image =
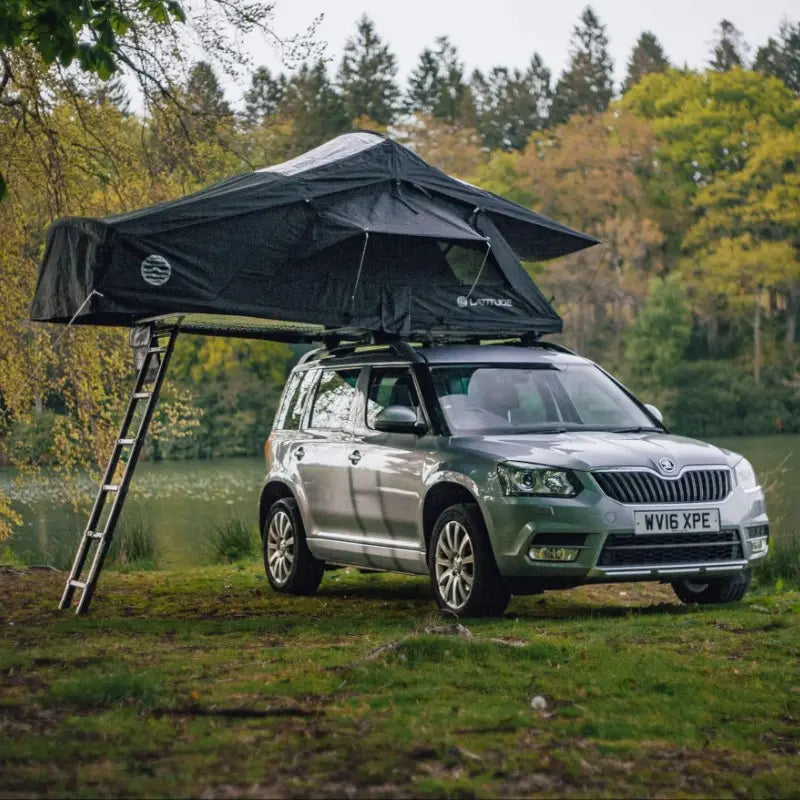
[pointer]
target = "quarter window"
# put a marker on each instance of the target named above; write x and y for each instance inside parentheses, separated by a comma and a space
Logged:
(389, 387)
(336, 392)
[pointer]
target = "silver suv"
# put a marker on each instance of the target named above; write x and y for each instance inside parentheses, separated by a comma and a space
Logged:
(497, 470)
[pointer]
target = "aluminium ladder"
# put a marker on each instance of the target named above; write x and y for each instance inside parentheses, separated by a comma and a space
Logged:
(113, 489)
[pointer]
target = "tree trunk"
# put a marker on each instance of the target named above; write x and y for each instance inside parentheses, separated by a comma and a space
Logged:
(757, 341)
(791, 316)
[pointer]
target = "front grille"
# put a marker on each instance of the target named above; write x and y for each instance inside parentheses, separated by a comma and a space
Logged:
(641, 487)
(646, 550)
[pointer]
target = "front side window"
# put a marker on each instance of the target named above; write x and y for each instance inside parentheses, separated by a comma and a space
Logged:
(336, 392)
(389, 387)
(531, 399)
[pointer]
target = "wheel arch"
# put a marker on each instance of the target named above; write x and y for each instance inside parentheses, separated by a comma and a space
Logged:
(272, 491)
(444, 493)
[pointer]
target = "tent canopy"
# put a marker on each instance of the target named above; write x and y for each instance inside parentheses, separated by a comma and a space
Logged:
(357, 234)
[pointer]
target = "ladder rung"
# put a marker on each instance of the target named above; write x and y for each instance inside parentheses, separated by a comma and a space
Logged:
(157, 350)
(94, 534)
(141, 395)
(77, 584)
(110, 487)
(126, 441)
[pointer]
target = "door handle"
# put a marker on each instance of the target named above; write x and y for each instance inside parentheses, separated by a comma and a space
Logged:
(354, 457)
(299, 453)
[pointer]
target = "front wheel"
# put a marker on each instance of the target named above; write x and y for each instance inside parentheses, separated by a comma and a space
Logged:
(290, 567)
(464, 575)
(717, 590)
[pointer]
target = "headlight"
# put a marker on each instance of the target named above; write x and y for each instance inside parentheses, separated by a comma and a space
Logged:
(520, 479)
(745, 475)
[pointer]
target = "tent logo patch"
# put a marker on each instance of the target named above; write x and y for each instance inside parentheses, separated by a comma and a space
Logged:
(156, 270)
(473, 302)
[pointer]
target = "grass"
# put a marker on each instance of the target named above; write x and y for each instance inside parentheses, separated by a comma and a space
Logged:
(232, 540)
(135, 545)
(782, 564)
(179, 683)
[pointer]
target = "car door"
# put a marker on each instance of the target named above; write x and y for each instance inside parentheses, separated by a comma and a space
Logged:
(386, 477)
(321, 456)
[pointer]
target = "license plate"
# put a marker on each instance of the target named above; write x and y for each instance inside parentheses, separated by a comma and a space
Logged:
(694, 521)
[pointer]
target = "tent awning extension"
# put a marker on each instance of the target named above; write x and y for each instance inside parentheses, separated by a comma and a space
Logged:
(357, 234)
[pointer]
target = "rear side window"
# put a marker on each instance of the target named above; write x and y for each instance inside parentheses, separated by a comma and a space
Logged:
(336, 392)
(290, 414)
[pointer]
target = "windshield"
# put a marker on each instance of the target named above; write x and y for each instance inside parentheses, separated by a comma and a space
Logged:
(534, 399)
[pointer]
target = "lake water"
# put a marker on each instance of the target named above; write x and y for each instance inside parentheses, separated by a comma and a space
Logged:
(183, 499)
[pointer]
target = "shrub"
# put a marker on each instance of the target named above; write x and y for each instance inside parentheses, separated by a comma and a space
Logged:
(232, 540)
(135, 544)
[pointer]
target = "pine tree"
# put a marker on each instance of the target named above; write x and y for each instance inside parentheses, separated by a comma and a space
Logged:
(264, 96)
(781, 58)
(586, 85)
(205, 102)
(647, 56)
(366, 76)
(511, 104)
(437, 87)
(730, 49)
(314, 107)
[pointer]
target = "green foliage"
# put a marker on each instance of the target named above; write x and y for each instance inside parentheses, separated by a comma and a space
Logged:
(232, 540)
(657, 339)
(367, 76)
(135, 544)
(586, 85)
(780, 57)
(782, 565)
(647, 57)
(729, 48)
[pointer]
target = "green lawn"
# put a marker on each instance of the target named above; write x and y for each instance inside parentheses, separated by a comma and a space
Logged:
(204, 682)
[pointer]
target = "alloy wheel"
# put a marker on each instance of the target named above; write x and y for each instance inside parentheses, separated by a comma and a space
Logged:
(455, 565)
(280, 547)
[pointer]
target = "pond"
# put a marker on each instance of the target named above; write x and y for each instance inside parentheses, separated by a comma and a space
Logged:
(182, 500)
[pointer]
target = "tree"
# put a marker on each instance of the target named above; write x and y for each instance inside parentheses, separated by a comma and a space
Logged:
(781, 57)
(647, 56)
(263, 98)
(510, 104)
(656, 341)
(367, 76)
(586, 86)
(317, 112)
(436, 86)
(729, 47)
(148, 40)
(205, 102)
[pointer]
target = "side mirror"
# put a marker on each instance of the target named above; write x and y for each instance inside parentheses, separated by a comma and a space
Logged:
(655, 412)
(399, 419)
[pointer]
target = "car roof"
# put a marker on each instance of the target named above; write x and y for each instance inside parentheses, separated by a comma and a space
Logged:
(449, 355)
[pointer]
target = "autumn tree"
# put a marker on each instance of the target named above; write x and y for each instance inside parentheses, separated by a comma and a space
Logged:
(586, 85)
(780, 57)
(729, 48)
(647, 56)
(367, 76)
(510, 103)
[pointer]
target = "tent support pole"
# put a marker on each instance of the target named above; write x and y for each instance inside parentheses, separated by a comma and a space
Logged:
(99, 531)
(360, 267)
(480, 271)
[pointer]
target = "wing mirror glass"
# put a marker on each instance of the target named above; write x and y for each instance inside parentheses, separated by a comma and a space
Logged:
(399, 419)
(655, 412)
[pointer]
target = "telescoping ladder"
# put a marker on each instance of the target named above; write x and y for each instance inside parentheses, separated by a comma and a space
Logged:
(99, 530)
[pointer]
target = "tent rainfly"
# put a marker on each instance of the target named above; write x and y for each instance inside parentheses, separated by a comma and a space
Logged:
(359, 234)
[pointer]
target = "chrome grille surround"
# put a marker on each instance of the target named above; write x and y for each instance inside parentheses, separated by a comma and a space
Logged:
(646, 487)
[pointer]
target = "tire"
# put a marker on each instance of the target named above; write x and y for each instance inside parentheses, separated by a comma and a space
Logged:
(290, 567)
(717, 590)
(459, 542)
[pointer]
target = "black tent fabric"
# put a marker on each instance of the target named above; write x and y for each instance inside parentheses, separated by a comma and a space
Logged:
(357, 234)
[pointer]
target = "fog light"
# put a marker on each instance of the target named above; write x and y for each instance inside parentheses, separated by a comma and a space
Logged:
(758, 546)
(553, 553)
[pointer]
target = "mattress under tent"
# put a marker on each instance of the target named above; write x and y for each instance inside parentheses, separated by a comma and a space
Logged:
(358, 240)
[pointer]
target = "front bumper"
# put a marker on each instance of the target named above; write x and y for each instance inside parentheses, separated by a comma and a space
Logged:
(610, 550)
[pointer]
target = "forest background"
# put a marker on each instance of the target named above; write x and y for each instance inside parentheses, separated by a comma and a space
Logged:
(689, 177)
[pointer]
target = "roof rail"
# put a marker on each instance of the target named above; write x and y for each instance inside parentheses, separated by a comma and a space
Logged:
(333, 350)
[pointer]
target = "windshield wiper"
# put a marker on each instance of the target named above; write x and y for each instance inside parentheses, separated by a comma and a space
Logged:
(635, 429)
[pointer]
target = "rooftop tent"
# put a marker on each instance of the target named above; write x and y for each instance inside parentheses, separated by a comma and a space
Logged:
(359, 233)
